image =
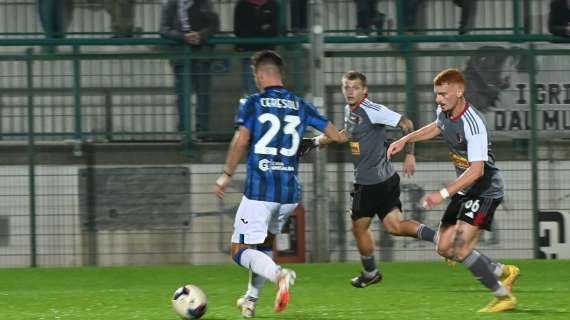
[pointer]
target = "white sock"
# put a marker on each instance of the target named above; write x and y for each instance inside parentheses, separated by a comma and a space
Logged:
(259, 263)
(256, 282)
(501, 292)
(498, 269)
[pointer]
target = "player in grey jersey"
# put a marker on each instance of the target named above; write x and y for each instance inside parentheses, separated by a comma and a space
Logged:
(376, 183)
(476, 192)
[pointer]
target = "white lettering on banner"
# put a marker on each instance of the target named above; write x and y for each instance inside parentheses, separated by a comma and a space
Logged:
(498, 85)
(266, 165)
(278, 103)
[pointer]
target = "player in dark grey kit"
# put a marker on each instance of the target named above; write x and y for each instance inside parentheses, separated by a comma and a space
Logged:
(376, 183)
(476, 192)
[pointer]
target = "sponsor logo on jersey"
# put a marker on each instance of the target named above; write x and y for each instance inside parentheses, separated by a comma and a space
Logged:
(459, 161)
(278, 103)
(266, 165)
(355, 147)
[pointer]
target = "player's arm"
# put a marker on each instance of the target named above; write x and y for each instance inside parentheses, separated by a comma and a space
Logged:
(330, 135)
(238, 148)
(427, 132)
(468, 178)
(407, 127)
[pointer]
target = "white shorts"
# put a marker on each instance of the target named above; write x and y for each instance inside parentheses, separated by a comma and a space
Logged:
(255, 218)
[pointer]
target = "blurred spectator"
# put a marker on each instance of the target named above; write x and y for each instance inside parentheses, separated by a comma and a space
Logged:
(122, 14)
(55, 16)
(299, 12)
(410, 10)
(190, 22)
(367, 16)
(559, 18)
(468, 10)
(254, 18)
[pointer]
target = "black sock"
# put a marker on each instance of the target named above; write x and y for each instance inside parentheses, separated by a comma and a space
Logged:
(368, 263)
(426, 233)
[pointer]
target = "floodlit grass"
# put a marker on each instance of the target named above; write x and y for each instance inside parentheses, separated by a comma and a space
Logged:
(410, 290)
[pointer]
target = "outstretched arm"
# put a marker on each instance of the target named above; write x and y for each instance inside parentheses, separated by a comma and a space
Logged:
(331, 134)
(425, 133)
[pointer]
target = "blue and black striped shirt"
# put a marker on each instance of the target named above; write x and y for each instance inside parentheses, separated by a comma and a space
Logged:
(276, 119)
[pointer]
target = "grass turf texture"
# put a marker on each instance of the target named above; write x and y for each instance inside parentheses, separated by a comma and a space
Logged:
(410, 290)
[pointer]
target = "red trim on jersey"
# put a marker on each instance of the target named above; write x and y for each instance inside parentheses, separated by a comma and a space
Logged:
(359, 103)
(452, 118)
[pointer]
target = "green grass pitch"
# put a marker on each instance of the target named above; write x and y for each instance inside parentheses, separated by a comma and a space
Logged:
(410, 290)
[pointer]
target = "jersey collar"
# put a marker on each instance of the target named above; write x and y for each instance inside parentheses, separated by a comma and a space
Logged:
(272, 87)
(452, 118)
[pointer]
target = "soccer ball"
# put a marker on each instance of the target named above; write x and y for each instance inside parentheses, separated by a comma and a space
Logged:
(189, 302)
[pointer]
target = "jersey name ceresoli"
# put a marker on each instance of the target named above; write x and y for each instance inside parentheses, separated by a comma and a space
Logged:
(365, 126)
(277, 120)
(467, 139)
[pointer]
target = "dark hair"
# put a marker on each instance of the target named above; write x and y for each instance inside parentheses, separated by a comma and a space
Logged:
(449, 76)
(267, 57)
(355, 75)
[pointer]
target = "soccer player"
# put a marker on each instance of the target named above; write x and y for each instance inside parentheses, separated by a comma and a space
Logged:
(476, 192)
(376, 183)
(270, 125)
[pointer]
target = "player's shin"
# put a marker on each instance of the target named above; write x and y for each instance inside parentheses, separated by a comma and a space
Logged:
(481, 269)
(256, 282)
(257, 262)
(426, 233)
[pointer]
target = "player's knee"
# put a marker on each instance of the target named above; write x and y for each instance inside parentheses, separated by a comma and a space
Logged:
(460, 254)
(393, 229)
(444, 251)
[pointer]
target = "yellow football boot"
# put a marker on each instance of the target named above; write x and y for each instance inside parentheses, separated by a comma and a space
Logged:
(509, 276)
(500, 304)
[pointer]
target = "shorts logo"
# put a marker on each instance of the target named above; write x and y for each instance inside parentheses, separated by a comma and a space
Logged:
(266, 165)
(244, 221)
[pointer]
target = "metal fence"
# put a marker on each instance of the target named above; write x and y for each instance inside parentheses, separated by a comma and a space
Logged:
(76, 194)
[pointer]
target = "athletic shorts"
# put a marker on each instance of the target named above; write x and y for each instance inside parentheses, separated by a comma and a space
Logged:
(377, 199)
(476, 211)
(254, 219)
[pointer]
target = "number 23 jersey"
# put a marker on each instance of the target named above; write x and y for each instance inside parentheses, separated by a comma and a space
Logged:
(277, 120)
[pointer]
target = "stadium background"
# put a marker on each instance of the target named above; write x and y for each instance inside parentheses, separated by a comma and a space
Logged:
(93, 172)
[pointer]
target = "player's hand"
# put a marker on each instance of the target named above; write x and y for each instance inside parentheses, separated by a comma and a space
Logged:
(409, 165)
(395, 148)
(431, 200)
(192, 38)
(221, 183)
(306, 145)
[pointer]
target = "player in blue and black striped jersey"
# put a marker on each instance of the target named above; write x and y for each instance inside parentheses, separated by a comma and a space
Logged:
(270, 125)
(476, 192)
